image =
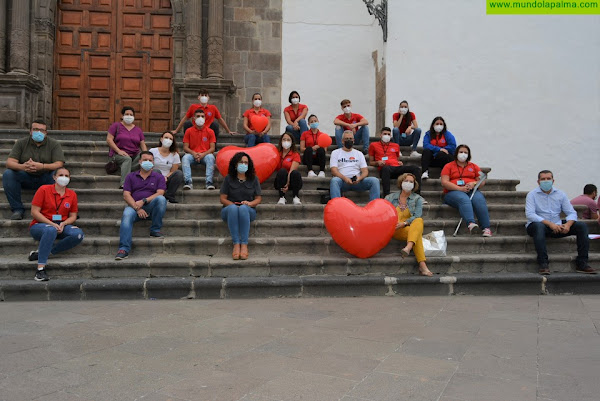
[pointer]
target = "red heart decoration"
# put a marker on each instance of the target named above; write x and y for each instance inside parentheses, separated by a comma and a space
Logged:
(259, 123)
(360, 231)
(265, 157)
(324, 141)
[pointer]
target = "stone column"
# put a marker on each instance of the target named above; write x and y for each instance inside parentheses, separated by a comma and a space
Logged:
(193, 51)
(2, 35)
(19, 37)
(215, 39)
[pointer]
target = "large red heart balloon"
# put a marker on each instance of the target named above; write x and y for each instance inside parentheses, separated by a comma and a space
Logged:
(324, 141)
(259, 123)
(265, 157)
(360, 231)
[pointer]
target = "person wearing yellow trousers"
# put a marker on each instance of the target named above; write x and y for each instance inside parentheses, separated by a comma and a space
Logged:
(409, 206)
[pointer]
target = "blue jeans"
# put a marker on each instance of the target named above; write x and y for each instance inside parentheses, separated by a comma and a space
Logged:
(238, 218)
(156, 210)
(253, 139)
(13, 181)
(539, 232)
(47, 234)
(360, 136)
(371, 184)
(407, 140)
(187, 161)
(466, 206)
(297, 133)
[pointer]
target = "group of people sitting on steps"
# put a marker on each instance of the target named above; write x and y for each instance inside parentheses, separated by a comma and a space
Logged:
(37, 162)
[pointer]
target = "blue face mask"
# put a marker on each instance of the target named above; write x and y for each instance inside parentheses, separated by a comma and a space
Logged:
(147, 165)
(546, 185)
(314, 125)
(38, 136)
(242, 168)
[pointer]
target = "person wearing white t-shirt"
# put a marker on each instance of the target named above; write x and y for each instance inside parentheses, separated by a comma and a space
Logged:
(349, 170)
(167, 161)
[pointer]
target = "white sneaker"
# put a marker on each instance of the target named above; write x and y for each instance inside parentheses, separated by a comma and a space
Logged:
(425, 175)
(311, 174)
(296, 201)
(188, 186)
(322, 174)
(210, 187)
(281, 201)
(414, 153)
(473, 228)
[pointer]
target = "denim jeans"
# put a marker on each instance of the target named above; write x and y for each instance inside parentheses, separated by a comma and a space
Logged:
(371, 184)
(13, 181)
(539, 232)
(253, 139)
(407, 140)
(187, 161)
(360, 136)
(297, 133)
(460, 200)
(47, 234)
(238, 218)
(156, 210)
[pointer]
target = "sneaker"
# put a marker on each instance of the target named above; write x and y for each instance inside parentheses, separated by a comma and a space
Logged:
(473, 228)
(156, 234)
(296, 201)
(311, 174)
(121, 255)
(33, 255)
(210, 187)
(41, 275)
(281, 201)
(18, 215)
(414, 153)
(487, 232)
(586, 270)
(321, 174)
(188, 187)
(425, 175)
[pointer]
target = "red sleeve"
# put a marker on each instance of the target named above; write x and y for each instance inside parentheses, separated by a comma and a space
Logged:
(190, 111)
(267, 113)
(39, 197)
(305, 135)
(302, 107)
(372, 150)
(397, 151)
(186, 136)
(358, 116)
(247, 114)
(477, 170)
(296, 157)
(413, 115)
(211, 136)
(396, 116)
(74, 204)
(447, 171)
(340, 117)
(288, 109)
(217, 112)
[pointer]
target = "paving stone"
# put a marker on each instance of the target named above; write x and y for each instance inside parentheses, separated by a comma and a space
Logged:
(419, 368)
(386, 387)
(440, 344)
(360, 348)
(338, 365)
(305, 386)
(569, 387)
(469, 388)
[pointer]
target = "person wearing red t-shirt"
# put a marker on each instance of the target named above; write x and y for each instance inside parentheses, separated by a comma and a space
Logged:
(254, 137)
(310, 148)
(459, 177)
(406, 131)
(54, 210)
(295, 116)
(212, 115)
(199, 145)
(353, 122)
(385, 155)
(288, 177)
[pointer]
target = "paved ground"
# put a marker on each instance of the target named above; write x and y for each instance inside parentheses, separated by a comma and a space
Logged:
(520, 348)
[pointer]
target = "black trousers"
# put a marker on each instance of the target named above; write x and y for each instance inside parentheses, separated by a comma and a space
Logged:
(388, 172)
(440, 160)
(295, 181)
(539, 232)
(309, 160)
(173, 184)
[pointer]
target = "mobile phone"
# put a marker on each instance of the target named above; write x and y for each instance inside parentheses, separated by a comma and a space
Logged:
(354, 178)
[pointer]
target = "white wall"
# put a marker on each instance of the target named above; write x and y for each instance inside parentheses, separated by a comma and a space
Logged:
(327, 56)
(523, 91)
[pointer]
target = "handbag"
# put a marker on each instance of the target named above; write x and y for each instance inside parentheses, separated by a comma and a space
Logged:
(435, 243)
(111, 167)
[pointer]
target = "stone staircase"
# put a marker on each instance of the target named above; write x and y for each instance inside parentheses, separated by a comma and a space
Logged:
(291, 252)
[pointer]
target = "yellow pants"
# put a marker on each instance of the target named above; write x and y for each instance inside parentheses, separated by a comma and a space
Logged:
(412, 233)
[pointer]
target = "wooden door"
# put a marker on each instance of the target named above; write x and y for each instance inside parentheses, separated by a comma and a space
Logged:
(110, 54)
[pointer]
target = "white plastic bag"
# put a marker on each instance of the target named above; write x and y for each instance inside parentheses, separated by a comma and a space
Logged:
(435, 243)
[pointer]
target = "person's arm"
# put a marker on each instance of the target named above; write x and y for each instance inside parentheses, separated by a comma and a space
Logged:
(14, 164)
(186, 149)
(427, 143)
(246, 127)
(336, 173)
(569, 211)
(110, 140)
(136, 205)
(450, 186)
(362, 122)
(287, 117)
(302, 115)
(174, 168)
(341, 123)
(268, 127)
(532, 216)
(398, 121)
(302, 145)
(158, 192)
(224, 201)
(210, 150)
(36, 213)
(450, 143)
(418, 211)
(180, 125)
(364, 173)
(414, 123)
(143, 146)
(255, 202)
(224, 125)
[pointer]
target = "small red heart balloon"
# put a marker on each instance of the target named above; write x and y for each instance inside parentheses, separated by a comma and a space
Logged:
(259, 123)
(265, 157)
(360, 231)
(324, 141)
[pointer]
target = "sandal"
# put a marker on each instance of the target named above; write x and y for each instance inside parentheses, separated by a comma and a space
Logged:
(404, 253)
(244, 252)
(235, 254)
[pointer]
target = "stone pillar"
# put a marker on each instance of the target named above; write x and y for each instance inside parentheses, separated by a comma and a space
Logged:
(2, 36)
(215, 39)
(193, 51)
(19, 37)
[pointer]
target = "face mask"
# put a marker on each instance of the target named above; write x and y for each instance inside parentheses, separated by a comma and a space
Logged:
(286, 144)
(62, 181)
(257, 103)
(295, 100)
(386, 138)
(403, 110)
(407, 186)
(200, 121)
(203, 99)
(128, 119)
(438, 128)
(147, 165)
(462, 156)
(242, 168)
(546, 185)
(347, 109)
(38, 136)
(314, 125)
(348, 143)
(166, 143)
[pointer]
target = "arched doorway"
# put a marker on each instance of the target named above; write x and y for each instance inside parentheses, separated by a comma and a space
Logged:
(110, 54)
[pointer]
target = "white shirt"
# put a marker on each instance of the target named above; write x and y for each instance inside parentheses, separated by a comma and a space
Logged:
(348, 163)
(164, 164)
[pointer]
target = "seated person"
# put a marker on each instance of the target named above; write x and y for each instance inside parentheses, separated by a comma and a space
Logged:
(54, 210)
(295, 116)
(252, 136)
(353, 122)
(311, 151)
(350, 172)
(211, 112)
(406, 131)
(167, 161)
(438, 147)
(543, 207)
(590, 193)
(30, 164)
(143, 193)
(385, 155)
(199, 144)
(288, 177)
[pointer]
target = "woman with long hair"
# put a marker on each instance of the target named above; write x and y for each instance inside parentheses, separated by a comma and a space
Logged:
(167, 161)
(438, 147)
(288, 177)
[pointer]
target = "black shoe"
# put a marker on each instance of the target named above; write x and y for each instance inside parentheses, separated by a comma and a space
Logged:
(544, 270)
(41, 275)
(172, 200)
(586, 270)
(33, 255)
(156, 234)
(18, 215)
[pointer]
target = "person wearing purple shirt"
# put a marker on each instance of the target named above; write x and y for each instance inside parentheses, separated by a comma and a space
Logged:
(590, 192)
(125, 141)
(143, 192)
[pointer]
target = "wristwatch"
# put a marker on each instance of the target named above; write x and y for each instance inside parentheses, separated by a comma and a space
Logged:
(145, 201)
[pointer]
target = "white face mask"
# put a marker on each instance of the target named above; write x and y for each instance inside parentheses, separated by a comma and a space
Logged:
(166, 143)
(347, 109)
(286, 144)
(295, 100)
(200, 121)
(438, 128)
(386, 138)
(128, 119)
(63, 181)
(407, 186)
(462, 156)
(203, 99)
(257, 103)
(403, 110)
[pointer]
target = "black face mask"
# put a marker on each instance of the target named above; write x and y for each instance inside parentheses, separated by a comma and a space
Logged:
(348, 143)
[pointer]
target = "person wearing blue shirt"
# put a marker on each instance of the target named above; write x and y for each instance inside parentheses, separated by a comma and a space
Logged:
(543, 208)
(438, 147)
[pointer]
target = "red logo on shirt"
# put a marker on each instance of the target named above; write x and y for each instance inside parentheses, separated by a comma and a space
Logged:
(352, 158)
